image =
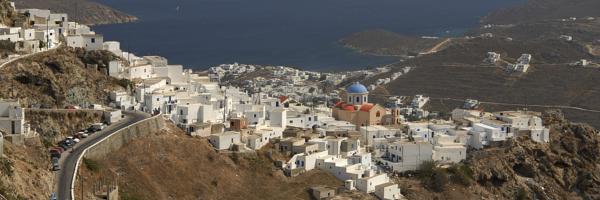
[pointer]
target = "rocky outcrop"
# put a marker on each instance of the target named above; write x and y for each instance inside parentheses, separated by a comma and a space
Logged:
(564, 168)
(60, 77)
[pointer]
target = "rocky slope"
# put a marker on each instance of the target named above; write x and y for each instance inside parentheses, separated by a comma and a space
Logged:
(7, 14)
(181, 167)
(25, 171)
(60, 77)
(566, 168)
(82, 11)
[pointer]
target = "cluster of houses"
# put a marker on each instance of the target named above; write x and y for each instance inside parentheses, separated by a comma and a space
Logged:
(40, 29)
(393, 76)
(354, 140)
(302, 86)
(522, 64)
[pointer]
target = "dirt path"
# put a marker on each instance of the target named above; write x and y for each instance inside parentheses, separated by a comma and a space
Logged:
(437, 47)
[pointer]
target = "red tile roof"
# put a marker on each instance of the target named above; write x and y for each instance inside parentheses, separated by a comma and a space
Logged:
(366, 107)
(349, 108)
(283, 98)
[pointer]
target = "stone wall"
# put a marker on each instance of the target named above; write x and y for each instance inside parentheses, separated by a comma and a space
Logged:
(124, 136)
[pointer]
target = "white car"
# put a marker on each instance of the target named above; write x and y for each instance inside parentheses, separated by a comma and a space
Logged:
(76, 140)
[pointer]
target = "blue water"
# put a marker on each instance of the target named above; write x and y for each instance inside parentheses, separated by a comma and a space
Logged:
(301, 33)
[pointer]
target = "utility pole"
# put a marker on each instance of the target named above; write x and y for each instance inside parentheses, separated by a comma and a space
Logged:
(48, 33)
(225, 106)
(367, 135)
(81, 177)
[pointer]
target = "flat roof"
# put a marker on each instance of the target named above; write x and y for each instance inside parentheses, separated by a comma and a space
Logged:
(385, 185)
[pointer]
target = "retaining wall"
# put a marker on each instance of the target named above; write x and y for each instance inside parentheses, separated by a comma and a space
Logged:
(124, 136)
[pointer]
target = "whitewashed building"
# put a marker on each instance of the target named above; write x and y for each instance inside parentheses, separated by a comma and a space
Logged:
(224, 140)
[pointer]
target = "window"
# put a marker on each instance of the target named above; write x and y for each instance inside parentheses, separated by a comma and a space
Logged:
(309, 118)
(349, 99)
(364, 99)
(181, 112)
(357, 99)
(378, 114)
(93, 40)
(291, 122)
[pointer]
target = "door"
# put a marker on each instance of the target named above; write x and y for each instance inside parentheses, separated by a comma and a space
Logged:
(13, 128)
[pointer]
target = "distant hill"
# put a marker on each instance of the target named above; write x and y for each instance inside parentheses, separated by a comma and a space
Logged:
(82, 11)
(387, 43)
(535, 10)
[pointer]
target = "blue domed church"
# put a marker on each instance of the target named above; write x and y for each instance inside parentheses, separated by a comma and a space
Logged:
(357, 109)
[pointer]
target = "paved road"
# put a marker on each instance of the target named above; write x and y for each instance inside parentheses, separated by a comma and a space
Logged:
(69, 158)
(527, 105)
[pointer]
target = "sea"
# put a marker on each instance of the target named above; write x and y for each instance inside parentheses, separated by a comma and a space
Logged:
(300, 33)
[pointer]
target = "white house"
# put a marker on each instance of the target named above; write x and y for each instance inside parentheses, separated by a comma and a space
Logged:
(12, 117)
(115, 68)
(139, 71)
(419, 101)
(278, 117)
(368, 184)
(113, 46)
(224, 140)
(482, 135)
(404, 156)
(388, 191)
(369, 133)
(112, 116)
(88, 41)
(188, 114)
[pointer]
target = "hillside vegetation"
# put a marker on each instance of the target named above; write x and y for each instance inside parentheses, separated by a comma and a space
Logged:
(60, 77)
(458, 71)
(535, 10)
(25, 171)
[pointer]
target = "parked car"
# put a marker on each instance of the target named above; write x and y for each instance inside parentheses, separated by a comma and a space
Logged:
(55, 165)
(76, 140)
(81, 135)
(56, 152)
(63, 145)
(98, 126)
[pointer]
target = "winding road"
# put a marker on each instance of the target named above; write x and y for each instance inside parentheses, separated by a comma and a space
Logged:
(28, 55)
(526, 105)
(69, 159)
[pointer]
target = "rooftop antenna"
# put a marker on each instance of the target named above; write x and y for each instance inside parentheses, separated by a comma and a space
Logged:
(48, 33)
